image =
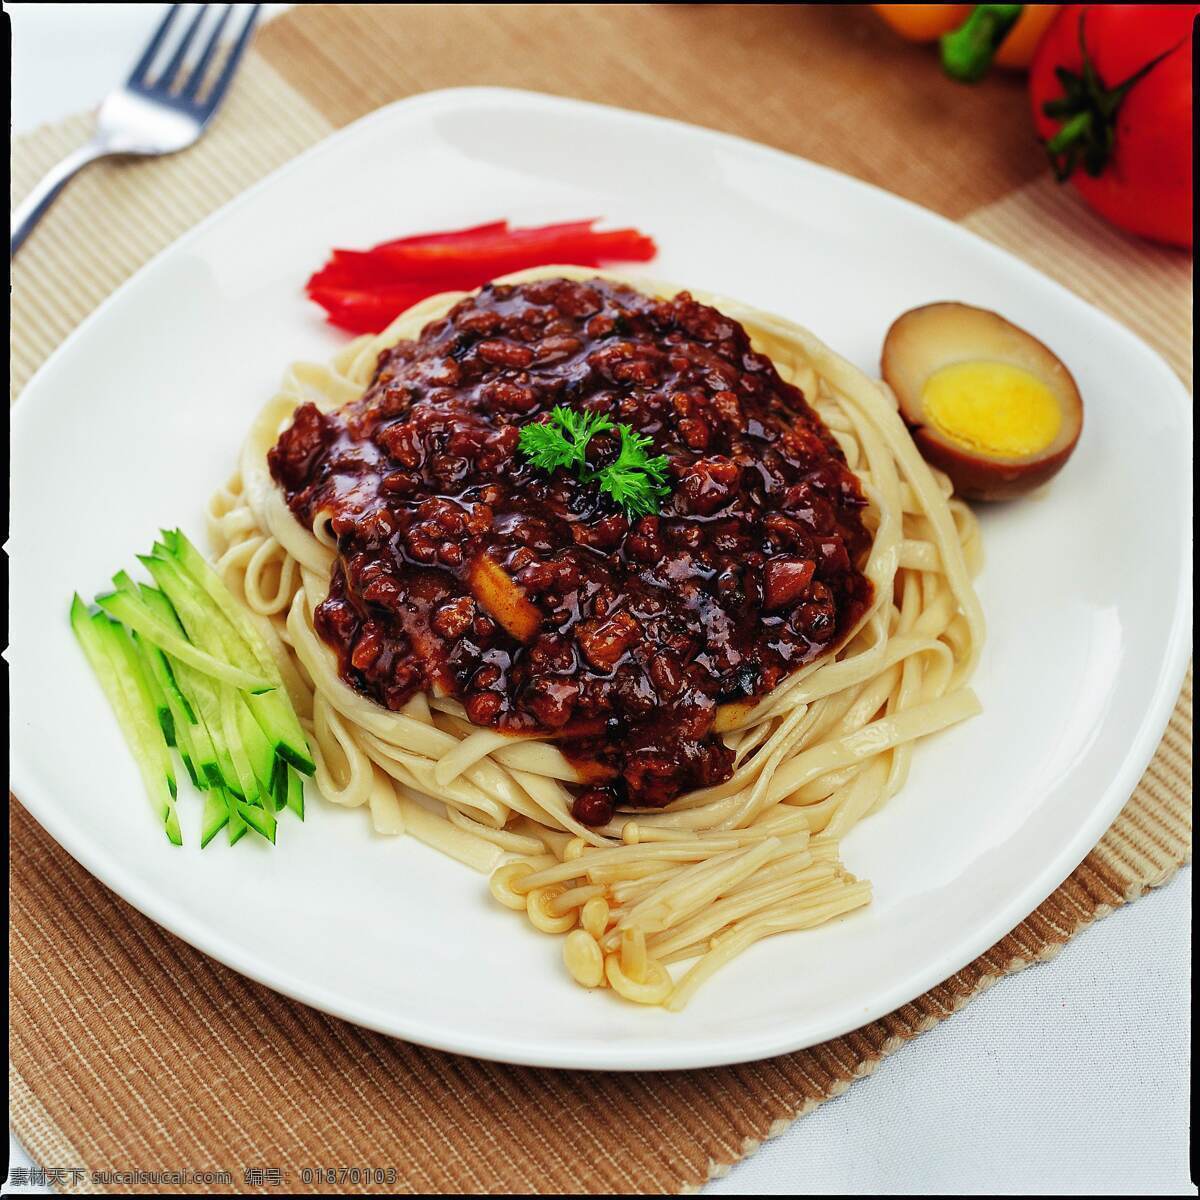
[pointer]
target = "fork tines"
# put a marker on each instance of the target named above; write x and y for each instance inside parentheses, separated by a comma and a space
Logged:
(182, 81)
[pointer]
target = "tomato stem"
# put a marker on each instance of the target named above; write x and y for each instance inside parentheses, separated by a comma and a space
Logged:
(1088, 110)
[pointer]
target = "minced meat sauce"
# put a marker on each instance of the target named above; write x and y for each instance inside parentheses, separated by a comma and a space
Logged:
(463, 570)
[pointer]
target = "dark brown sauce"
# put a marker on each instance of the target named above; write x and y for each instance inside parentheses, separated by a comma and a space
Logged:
(463, 570)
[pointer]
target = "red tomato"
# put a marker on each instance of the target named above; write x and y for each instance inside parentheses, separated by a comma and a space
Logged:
(1121, 131)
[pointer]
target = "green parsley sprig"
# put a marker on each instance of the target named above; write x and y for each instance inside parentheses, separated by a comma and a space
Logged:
(634, 480)
(562, 441)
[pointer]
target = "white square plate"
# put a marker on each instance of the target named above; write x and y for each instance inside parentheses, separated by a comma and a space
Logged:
(139, 415)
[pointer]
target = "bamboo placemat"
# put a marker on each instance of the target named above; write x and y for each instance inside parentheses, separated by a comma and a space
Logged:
(130, 1050)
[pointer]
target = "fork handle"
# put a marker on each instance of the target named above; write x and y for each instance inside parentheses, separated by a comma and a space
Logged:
(29, 212)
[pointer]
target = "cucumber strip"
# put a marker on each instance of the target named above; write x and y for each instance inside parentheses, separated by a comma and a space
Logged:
(274, 713)
(279, 784)
(241, 763)
(210, 754)
(242, 783)
(208, 625)
(284, 728)
(199, 782)
(215, 818)
(141, 699)
(205, 631)
(162, 710)
(191, 738)
(132, 611)
(161, 607)
(196, 693)
(123, 583)
(185, 730)
(205, 622)
(139, 730)
(259, 819)
(237, 827)
(197, 567)
(295, 792)
(180, 595)
(179, 628)
(259, 751)
(175, 723)
(240, 642)
(174, 713)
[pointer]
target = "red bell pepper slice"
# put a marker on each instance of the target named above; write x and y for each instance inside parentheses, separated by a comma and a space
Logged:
(363, 290)
(433, 239)
(471, 262)
(365, 311)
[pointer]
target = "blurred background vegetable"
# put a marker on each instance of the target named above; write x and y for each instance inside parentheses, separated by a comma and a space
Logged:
(1111, 88)
(1002, 34)
(1017, 49)
(923, 22)
(967, 51)
(973, 37)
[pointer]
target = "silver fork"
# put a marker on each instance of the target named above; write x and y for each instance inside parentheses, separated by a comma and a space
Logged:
(152, 112)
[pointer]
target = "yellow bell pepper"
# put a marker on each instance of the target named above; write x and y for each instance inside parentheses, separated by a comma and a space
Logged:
(1016, 51)
(923, 22)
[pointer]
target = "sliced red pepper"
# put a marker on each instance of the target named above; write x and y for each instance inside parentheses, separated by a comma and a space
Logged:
(433, 239)
(363, 290)
(469, 263)
(492, 228)
(366, 311)
(374, 268)
(358, 269)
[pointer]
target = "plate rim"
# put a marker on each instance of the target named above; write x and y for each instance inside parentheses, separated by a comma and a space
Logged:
(108, 869)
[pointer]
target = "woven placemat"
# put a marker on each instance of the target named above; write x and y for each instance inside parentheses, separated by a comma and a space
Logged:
(132, 1052)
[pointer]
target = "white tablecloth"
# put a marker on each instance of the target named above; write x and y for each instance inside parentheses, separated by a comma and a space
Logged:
(1072, 1077)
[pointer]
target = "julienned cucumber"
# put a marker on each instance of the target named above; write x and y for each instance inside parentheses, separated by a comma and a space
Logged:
(209, 626)
(195, 565)
(215, 816)
(144, 651)
(258, 819)
(251, 793)
(295, 792)
(184, 664)
(137, 693)
(131, 611)
(191, 739)
(162, 710)
(259, 751)
(142, 733)
(272, 711)
(237, 827)
(174, 675)
(211, 693)
(218, 768)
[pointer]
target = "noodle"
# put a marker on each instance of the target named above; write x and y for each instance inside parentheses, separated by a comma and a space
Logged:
(717, 869)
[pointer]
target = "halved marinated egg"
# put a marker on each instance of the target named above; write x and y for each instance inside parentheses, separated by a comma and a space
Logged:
(985, 401)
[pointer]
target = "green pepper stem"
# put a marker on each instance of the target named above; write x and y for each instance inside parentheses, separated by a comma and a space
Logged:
(967, 51)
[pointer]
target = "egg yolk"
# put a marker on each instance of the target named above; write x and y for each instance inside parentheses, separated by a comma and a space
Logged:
(992, 407)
